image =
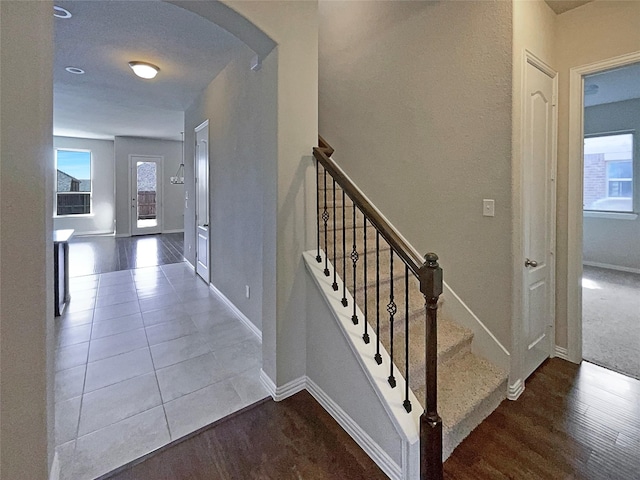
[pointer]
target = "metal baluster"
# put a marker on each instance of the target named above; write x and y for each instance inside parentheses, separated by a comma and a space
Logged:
(377, 357)
(325, 218)
(344, 254)
(406, 404)
(318, 257)
(335, 273)
(365, 335)
(354, 259)
(392, 309)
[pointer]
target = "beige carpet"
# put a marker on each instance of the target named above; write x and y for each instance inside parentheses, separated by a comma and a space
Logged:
(611, 319)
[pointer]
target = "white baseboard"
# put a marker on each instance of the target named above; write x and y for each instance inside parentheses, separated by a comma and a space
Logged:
(515, 390)
(189, 265)
(122, 235)
(54, 473)
(562, 353)
(283, 391)
(268, 383)
(175, 230)
(612, 267)
(485, 343)
(241, 316)
(377, 454)
(94, 233)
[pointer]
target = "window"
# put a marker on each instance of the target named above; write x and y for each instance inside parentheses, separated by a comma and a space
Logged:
(608, 173)
(73, 182)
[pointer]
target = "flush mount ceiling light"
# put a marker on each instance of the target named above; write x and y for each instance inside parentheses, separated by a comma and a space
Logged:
(60, 12)
(591, 89)
(144, 69)
(74, 70)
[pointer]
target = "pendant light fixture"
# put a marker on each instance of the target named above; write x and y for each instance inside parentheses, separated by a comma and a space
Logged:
(179, 178)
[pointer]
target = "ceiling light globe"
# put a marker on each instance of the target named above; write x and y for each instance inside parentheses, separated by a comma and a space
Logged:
(144, 70)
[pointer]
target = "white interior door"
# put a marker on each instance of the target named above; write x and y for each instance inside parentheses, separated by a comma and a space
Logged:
(539, 215)
(202, 200)
(146, 194)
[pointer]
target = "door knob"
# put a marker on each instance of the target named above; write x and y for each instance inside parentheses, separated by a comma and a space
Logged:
(530, 263)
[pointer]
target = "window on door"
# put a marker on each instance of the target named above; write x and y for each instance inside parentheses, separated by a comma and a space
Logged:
(73, 182)
(608, 173)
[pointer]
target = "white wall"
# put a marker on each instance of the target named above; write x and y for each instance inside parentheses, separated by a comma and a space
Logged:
(416, 99)
(26, 244)
(173, 203)
(241, 108)
(590, 33)
(606, 240)
(102, 216)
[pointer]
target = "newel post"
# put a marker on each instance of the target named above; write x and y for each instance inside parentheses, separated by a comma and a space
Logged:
(430, 421)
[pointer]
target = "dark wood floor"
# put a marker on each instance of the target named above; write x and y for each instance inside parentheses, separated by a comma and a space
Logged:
(101, 254)
(289, 440)
(571, 422)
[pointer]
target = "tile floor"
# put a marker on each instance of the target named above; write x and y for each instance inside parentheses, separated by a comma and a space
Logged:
(144, 357)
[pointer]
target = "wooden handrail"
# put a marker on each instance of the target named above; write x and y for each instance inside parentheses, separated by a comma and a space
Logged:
(397, 243)
(325, 147)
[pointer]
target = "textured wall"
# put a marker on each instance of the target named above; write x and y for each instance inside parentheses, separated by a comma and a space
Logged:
(241, 109)
(606, 240)
(26, 243)
(416, 99)
(103, 195)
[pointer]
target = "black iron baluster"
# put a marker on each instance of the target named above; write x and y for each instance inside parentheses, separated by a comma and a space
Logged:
(392, 309)
(325, 218)
(344, 254)
(318, 257)
(354, 259)
(335, 273)
(365, 335)
(377, 357)
(406, 404)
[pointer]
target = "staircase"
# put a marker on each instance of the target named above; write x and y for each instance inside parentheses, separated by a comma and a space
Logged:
(469, 388)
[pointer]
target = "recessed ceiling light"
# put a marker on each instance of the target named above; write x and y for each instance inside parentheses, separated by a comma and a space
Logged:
(144, 70)
(591, 89)
(75, 70)
(60, 12)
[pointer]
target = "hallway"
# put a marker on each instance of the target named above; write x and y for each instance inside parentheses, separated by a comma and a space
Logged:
(143, 357)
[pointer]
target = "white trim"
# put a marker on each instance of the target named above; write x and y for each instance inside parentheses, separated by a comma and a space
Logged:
(485, 343)
(122, 235)
(241, 316)
(515, 389)
(190, 265)
(371, 448)
(54, 473)
(283, 391)
(609, 215)
(608, 266)
(92, 233)
(268, 383)
(575, 196)
(561, 352)
(175, 230)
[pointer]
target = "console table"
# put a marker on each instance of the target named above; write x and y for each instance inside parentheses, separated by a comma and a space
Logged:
(61, 269)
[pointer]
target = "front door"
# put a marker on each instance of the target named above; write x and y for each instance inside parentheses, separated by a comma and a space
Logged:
(202, 200)
(538, 263)
(146, 194)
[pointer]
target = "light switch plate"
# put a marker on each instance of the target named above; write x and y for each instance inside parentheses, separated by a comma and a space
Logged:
(488, 207)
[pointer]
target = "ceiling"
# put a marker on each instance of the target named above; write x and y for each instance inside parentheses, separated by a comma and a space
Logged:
(101, 38)
(561, 6)
(612, 86)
